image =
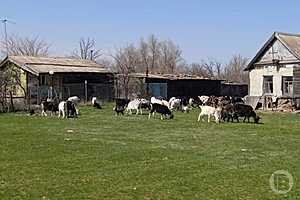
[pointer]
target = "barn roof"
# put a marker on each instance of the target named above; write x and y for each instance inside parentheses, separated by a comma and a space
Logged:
(289, 40)
(39, 65)
(171, 76)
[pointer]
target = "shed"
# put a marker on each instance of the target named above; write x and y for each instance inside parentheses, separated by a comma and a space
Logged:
(49, 77)
(169, 85)
(234, 89)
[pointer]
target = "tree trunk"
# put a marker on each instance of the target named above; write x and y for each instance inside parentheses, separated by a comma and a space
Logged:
(11, 102)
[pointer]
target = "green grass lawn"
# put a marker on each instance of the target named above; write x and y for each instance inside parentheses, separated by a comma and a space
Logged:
(131, 157)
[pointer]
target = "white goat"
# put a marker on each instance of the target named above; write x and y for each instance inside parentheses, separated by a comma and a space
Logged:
(134, 105)
(62, 109)
(165, 103)
(175, 104)
(94, 100)
(204, 99)
(154, 100)
(210, 112)
(171, 99)
(191, 101)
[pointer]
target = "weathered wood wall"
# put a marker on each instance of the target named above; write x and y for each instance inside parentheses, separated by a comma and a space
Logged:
(296, 82)
(193, 88)
(234, 90)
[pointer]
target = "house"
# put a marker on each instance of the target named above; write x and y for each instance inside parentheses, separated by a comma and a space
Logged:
(37, 78)
(275, 70)
(170, 85)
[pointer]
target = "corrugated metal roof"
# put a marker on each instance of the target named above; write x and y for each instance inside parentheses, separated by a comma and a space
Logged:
(292, 41)
(171, 76)
(38, 65)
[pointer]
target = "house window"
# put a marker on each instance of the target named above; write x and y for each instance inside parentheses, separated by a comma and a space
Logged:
(268, 85)
(287, 85)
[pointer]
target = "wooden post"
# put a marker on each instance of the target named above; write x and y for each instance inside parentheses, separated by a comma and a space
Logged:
(86, 91)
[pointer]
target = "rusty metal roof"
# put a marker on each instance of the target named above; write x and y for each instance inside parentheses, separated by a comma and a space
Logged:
(39, 65)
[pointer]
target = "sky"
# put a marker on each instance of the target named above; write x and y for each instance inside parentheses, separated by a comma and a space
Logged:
(203, 29)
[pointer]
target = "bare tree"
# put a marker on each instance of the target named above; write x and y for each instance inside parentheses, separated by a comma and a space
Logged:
(197, 69)
(210, 68)
(11, 83)
(126, 62)
(170, 56)
(153, 44)
(149, 53)
(234, 70)
(87, 50)
(159, 56)
(145, 59)
(25, 46)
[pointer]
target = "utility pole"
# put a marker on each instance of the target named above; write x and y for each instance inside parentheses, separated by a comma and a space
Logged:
(147, 83)
(92, 54)
(5, 21)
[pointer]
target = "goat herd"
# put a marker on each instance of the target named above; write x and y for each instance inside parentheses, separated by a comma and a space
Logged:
(220, 108)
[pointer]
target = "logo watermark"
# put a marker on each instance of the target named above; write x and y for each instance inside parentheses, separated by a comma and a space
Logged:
(281, 182)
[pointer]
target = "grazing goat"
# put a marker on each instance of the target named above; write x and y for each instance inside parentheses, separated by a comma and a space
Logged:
(175, 103)
(162, 109)
(246, 111)
(134, 105)
(120, 106)
(75, 100)
(210, 112)
(229, 113)
(154, 100)
(67, 109)
(49, 106)
(145, 104)
(204, 99)
(96, 103)
(195, 102)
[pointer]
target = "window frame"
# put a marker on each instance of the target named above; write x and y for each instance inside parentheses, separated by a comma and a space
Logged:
(269, 83)
(285, 88)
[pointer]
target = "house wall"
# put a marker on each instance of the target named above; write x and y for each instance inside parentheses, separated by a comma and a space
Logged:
(257, 74)
(15, 78)
(296, 82)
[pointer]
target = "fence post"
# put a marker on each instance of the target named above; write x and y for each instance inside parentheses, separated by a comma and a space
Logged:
(85, 90)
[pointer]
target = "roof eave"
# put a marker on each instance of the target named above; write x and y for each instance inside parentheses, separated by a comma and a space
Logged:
(276, 35)
(261, 50)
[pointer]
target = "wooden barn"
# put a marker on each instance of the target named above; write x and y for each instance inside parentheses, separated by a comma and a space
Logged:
(234, 89)
(36, 78)
(275, 70)
(169, 85)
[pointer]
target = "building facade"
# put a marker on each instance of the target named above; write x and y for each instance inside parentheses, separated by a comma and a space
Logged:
(275, 70)
(36, 78)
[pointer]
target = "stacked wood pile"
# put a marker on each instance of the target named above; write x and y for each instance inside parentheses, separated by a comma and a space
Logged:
(285, 105)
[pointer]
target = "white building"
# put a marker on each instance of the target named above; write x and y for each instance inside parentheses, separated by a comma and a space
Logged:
(275, 70)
